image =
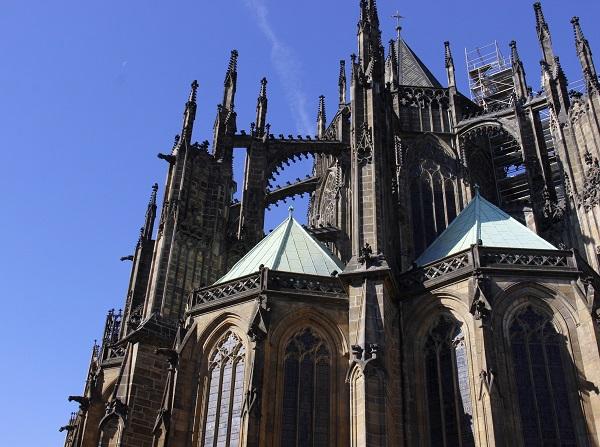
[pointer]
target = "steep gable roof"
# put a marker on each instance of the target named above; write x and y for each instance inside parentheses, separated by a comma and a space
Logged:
(413, 72)
(288, 248)
(485, 222)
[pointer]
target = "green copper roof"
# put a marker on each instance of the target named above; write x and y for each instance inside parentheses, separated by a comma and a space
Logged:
(481, 220)
(288, 248)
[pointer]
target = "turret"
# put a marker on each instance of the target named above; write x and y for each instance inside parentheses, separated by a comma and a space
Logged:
(342, 83)
(519, 79)
(321, 118)
(261, 108)
(449, 62)
(189, 115)
(584, 53)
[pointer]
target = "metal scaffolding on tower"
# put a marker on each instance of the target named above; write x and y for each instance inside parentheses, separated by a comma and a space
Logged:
(490, 77)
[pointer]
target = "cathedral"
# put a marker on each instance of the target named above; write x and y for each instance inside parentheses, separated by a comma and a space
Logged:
(442, 293)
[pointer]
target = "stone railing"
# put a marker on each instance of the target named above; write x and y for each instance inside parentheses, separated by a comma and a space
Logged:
(264, 281)
(491, 259)
(244, 285)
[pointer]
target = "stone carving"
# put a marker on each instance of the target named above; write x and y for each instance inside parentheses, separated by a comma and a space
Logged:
(364, 147)
(590, 196)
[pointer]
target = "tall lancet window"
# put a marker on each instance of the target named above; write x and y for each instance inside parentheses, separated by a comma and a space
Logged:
(225, 393)
(433, 202)
(539, 356)
(306, 392)
(448, 393)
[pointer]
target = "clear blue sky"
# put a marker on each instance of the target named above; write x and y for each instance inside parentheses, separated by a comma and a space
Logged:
(90, 91)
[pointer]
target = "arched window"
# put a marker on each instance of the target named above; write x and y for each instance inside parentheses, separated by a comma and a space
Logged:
(447, 377)
(539, 355)
(433, 202)
(306, 391)
(225, 393)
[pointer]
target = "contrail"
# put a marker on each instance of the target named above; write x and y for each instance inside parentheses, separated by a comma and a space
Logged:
(286, 65)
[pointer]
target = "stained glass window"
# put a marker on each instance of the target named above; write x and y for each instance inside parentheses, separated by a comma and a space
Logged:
(306, 392)
(539, 354)
(225, 393)
(448, 393)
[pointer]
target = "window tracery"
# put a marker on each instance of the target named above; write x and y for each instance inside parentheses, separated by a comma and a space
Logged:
(225, 393)
(306, 391)
(434, 206)
(539, 355)
(450, 411)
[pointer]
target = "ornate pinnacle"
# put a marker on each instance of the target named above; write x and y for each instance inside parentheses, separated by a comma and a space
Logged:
(342, 82)
(263, 88)
(577, 29)
(584, 52)
(193, 91)
(321, 113)
(232, 68)
(448, 54)
(342, 77)
(513, 51)
(540, 20)
(153, 194)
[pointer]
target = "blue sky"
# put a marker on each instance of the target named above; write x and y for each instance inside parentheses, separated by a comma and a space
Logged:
(90, 91)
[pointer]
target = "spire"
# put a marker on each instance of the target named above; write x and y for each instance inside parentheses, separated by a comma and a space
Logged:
(261, 108)
(189, 114)
(321, 118)
(230, 82)
(342, 83)
(584, 52)
(543, 32)
(518, 72)
(449, 60)
(150, 215)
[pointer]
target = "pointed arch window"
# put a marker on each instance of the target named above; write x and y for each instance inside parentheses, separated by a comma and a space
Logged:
(433, 202)
(225, 393)
(306, 414)
(539, 357)
(450, 411)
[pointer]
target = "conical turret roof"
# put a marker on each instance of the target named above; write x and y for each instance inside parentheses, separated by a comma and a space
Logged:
(288, 248)
(485, 222)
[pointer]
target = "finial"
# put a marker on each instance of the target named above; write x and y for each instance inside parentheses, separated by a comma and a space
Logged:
(476, 189)
(539, 15)
(263, 88)
(576, 27)
(513, 51)
(321, 113)
(290, 211)
(342, 83)
(176, 141)
(192, 98)
(448, 54)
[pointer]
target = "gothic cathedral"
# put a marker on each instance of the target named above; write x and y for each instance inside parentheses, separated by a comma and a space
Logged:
(443, 292)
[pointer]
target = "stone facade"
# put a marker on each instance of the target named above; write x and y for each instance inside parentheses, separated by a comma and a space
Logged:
(398, 354)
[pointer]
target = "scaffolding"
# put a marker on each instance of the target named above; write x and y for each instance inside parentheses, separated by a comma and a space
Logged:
(490, 77)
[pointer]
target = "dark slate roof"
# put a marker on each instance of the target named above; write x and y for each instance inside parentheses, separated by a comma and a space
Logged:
(413, 72)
